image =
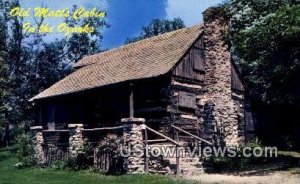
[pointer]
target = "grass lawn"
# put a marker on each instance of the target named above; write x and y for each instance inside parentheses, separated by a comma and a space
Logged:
(11, 175)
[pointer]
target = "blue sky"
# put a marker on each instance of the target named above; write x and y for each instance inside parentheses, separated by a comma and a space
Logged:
(126, 17)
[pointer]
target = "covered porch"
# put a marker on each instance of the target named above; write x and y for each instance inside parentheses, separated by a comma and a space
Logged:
(106, 106)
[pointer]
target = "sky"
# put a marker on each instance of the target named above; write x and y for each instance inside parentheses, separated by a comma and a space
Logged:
(126, 17)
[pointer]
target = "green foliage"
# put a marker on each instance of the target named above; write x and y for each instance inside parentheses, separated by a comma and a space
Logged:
(220, 12)
(83, 160)
(25, 150)
(4, 78)
(4, 155)
(3, 94)
(157, 27)
(59, 165)
(10, 174)
(79, 45)
(221, 164)
(111, 145)
(265, 37)
(255, 142)
(34, 64)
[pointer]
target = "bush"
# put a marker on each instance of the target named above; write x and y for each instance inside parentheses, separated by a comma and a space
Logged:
(83, 160)
(4, 155)
(25, 151)
(220, 164)
(59, 165)
(111, 146)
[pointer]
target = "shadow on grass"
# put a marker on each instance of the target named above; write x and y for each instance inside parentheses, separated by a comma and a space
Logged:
(259, 167)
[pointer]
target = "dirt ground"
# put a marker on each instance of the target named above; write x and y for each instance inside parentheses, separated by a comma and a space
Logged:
(276, 177)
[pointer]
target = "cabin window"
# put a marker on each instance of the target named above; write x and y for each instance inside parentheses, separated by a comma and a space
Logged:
(198, 59)
(187, 100)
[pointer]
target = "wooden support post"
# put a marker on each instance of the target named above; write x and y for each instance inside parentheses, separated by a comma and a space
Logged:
(199, 147)
(177, 160)
(146, 151)
(199, 143)
(176, 136)
(131, 102)
(40, 115)
(177, 153)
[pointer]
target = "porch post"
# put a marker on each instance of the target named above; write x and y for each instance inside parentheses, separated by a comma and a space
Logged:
(131, 102)
(133, 140)
(75, 139)
(38, 141)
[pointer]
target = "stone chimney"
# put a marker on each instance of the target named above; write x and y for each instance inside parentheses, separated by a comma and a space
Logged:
(219, 107)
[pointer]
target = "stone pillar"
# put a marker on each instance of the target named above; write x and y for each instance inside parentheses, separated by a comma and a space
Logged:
(38, 141)
(133, 139)
(75, 139)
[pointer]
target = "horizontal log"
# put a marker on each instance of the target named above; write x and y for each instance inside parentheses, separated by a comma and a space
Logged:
(154, 120)
(59, 144)
(157, 140)
(151, 109)
(54, 131)
(103, 128)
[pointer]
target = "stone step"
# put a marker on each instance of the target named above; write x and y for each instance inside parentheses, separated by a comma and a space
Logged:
(187, 165)
(192, 171)
(190, 159)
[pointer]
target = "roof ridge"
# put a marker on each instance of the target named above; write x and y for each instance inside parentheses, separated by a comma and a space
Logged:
(133, 44)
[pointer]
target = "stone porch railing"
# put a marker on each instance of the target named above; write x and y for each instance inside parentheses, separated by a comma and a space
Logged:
(132, 134)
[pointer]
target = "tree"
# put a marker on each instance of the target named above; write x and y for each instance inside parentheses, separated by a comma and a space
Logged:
(156, 27)
(264, 38)
(271, 52)
(79, 45)
(4, 79)
(3, 95)
(33, 64)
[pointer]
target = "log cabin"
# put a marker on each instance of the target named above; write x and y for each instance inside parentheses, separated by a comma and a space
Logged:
(185, 77)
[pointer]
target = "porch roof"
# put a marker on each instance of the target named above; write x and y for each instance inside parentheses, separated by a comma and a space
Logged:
(147, 58)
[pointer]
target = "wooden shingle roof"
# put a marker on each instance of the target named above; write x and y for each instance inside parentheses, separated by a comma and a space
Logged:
(147, 58)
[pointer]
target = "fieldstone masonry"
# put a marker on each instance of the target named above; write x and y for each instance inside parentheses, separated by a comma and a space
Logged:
(133, 136)
(223, 114)
(38, 141)
(76, 139)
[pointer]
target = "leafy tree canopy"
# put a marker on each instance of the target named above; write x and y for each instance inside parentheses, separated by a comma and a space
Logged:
(265, 40)
(34, 64)
(156, 27)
